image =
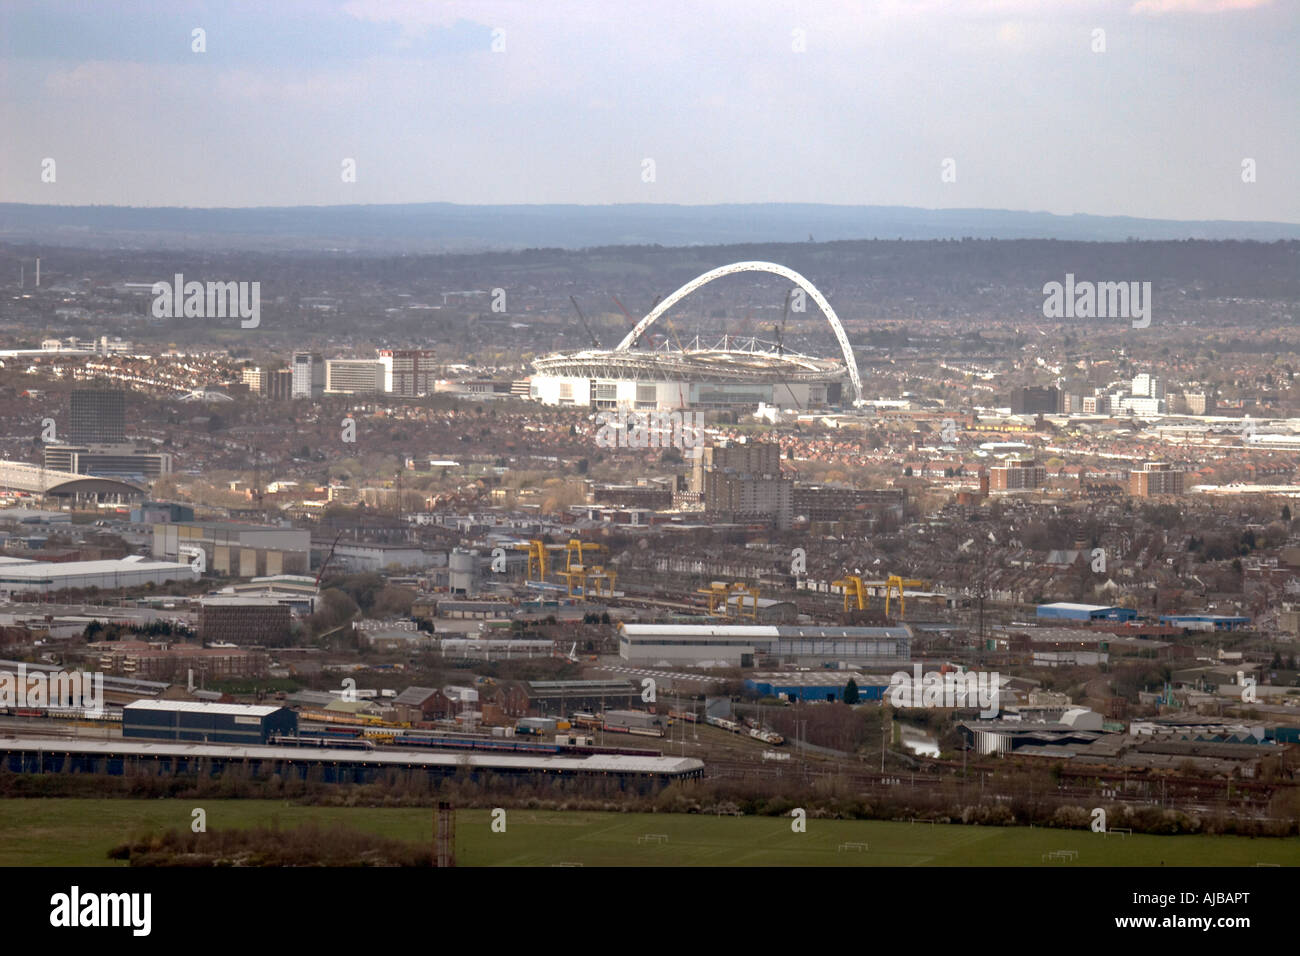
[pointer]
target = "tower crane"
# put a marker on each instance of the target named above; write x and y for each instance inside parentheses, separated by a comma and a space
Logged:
(595, 342)
(326, 563)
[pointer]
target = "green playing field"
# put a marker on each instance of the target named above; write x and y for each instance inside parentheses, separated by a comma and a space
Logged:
(78, 832)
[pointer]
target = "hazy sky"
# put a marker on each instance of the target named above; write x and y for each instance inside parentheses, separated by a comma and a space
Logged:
(715, 93)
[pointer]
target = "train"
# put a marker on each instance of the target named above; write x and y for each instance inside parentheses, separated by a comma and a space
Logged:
(326, 717)
(724, 723)
(64, 713)
(310, 739)
(757, 732)
(335, 735)
(514, 745)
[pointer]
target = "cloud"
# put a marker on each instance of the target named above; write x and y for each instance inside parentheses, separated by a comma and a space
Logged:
(1158, 7)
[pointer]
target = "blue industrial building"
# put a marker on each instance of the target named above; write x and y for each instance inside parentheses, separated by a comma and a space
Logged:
(1065, 611)
(1205, 622)
(825, 685)
(195, 722)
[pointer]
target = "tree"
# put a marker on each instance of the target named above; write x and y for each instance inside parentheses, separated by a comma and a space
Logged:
(851, 692)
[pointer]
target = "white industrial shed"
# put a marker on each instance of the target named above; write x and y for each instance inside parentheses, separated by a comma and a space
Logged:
(42, 577)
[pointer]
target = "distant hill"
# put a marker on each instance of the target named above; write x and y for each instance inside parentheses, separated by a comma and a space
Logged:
(446, 227)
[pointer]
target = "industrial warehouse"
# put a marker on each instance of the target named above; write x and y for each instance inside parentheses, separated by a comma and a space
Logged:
(20, 576)
(183, 720)
(742, 645)
(329, 765)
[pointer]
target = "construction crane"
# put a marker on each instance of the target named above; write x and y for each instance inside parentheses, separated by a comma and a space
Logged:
(681, 394)
(780, 348)
(637, 341)
(780, 333)
(326, 563)
(595, 342)
(672, 330)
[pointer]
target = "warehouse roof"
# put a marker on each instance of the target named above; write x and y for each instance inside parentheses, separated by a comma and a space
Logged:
(760, 631)
(72, 569)
(599, 763)
(415, 695)
(198, 707)
(550, 685)
(818, 678)
(1070, 606)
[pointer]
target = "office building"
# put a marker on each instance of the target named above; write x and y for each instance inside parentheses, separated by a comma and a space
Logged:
(123, 461)
(255, 379)
(308, 375)
(243, 620)
(279, 384)
(1141, 405)
(1148, 386)
(1035, 401)
(409, 373)
(354, 376)
(98, 416)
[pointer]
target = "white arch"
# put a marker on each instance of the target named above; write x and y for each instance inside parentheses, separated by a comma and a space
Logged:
(754, 266)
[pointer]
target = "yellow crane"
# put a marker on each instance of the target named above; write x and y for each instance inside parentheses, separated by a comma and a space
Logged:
(895, 581)
(539, 562)
(853, 588)
(595, 580)
(720, 593)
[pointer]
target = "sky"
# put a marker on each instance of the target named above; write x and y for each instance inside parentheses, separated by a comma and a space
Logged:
(665, 101)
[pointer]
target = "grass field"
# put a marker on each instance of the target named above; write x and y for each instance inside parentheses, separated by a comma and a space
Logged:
(80, 832)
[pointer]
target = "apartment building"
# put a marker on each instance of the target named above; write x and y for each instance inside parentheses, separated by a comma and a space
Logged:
(742, 482)
(1017, 476)
(1155, 478)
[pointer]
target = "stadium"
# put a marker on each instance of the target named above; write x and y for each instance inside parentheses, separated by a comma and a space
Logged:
(730, 372)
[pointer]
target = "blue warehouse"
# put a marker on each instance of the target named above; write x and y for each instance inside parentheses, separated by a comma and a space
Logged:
(194, 722)
(820, 685)
(1205, 622)
(1065, 611)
